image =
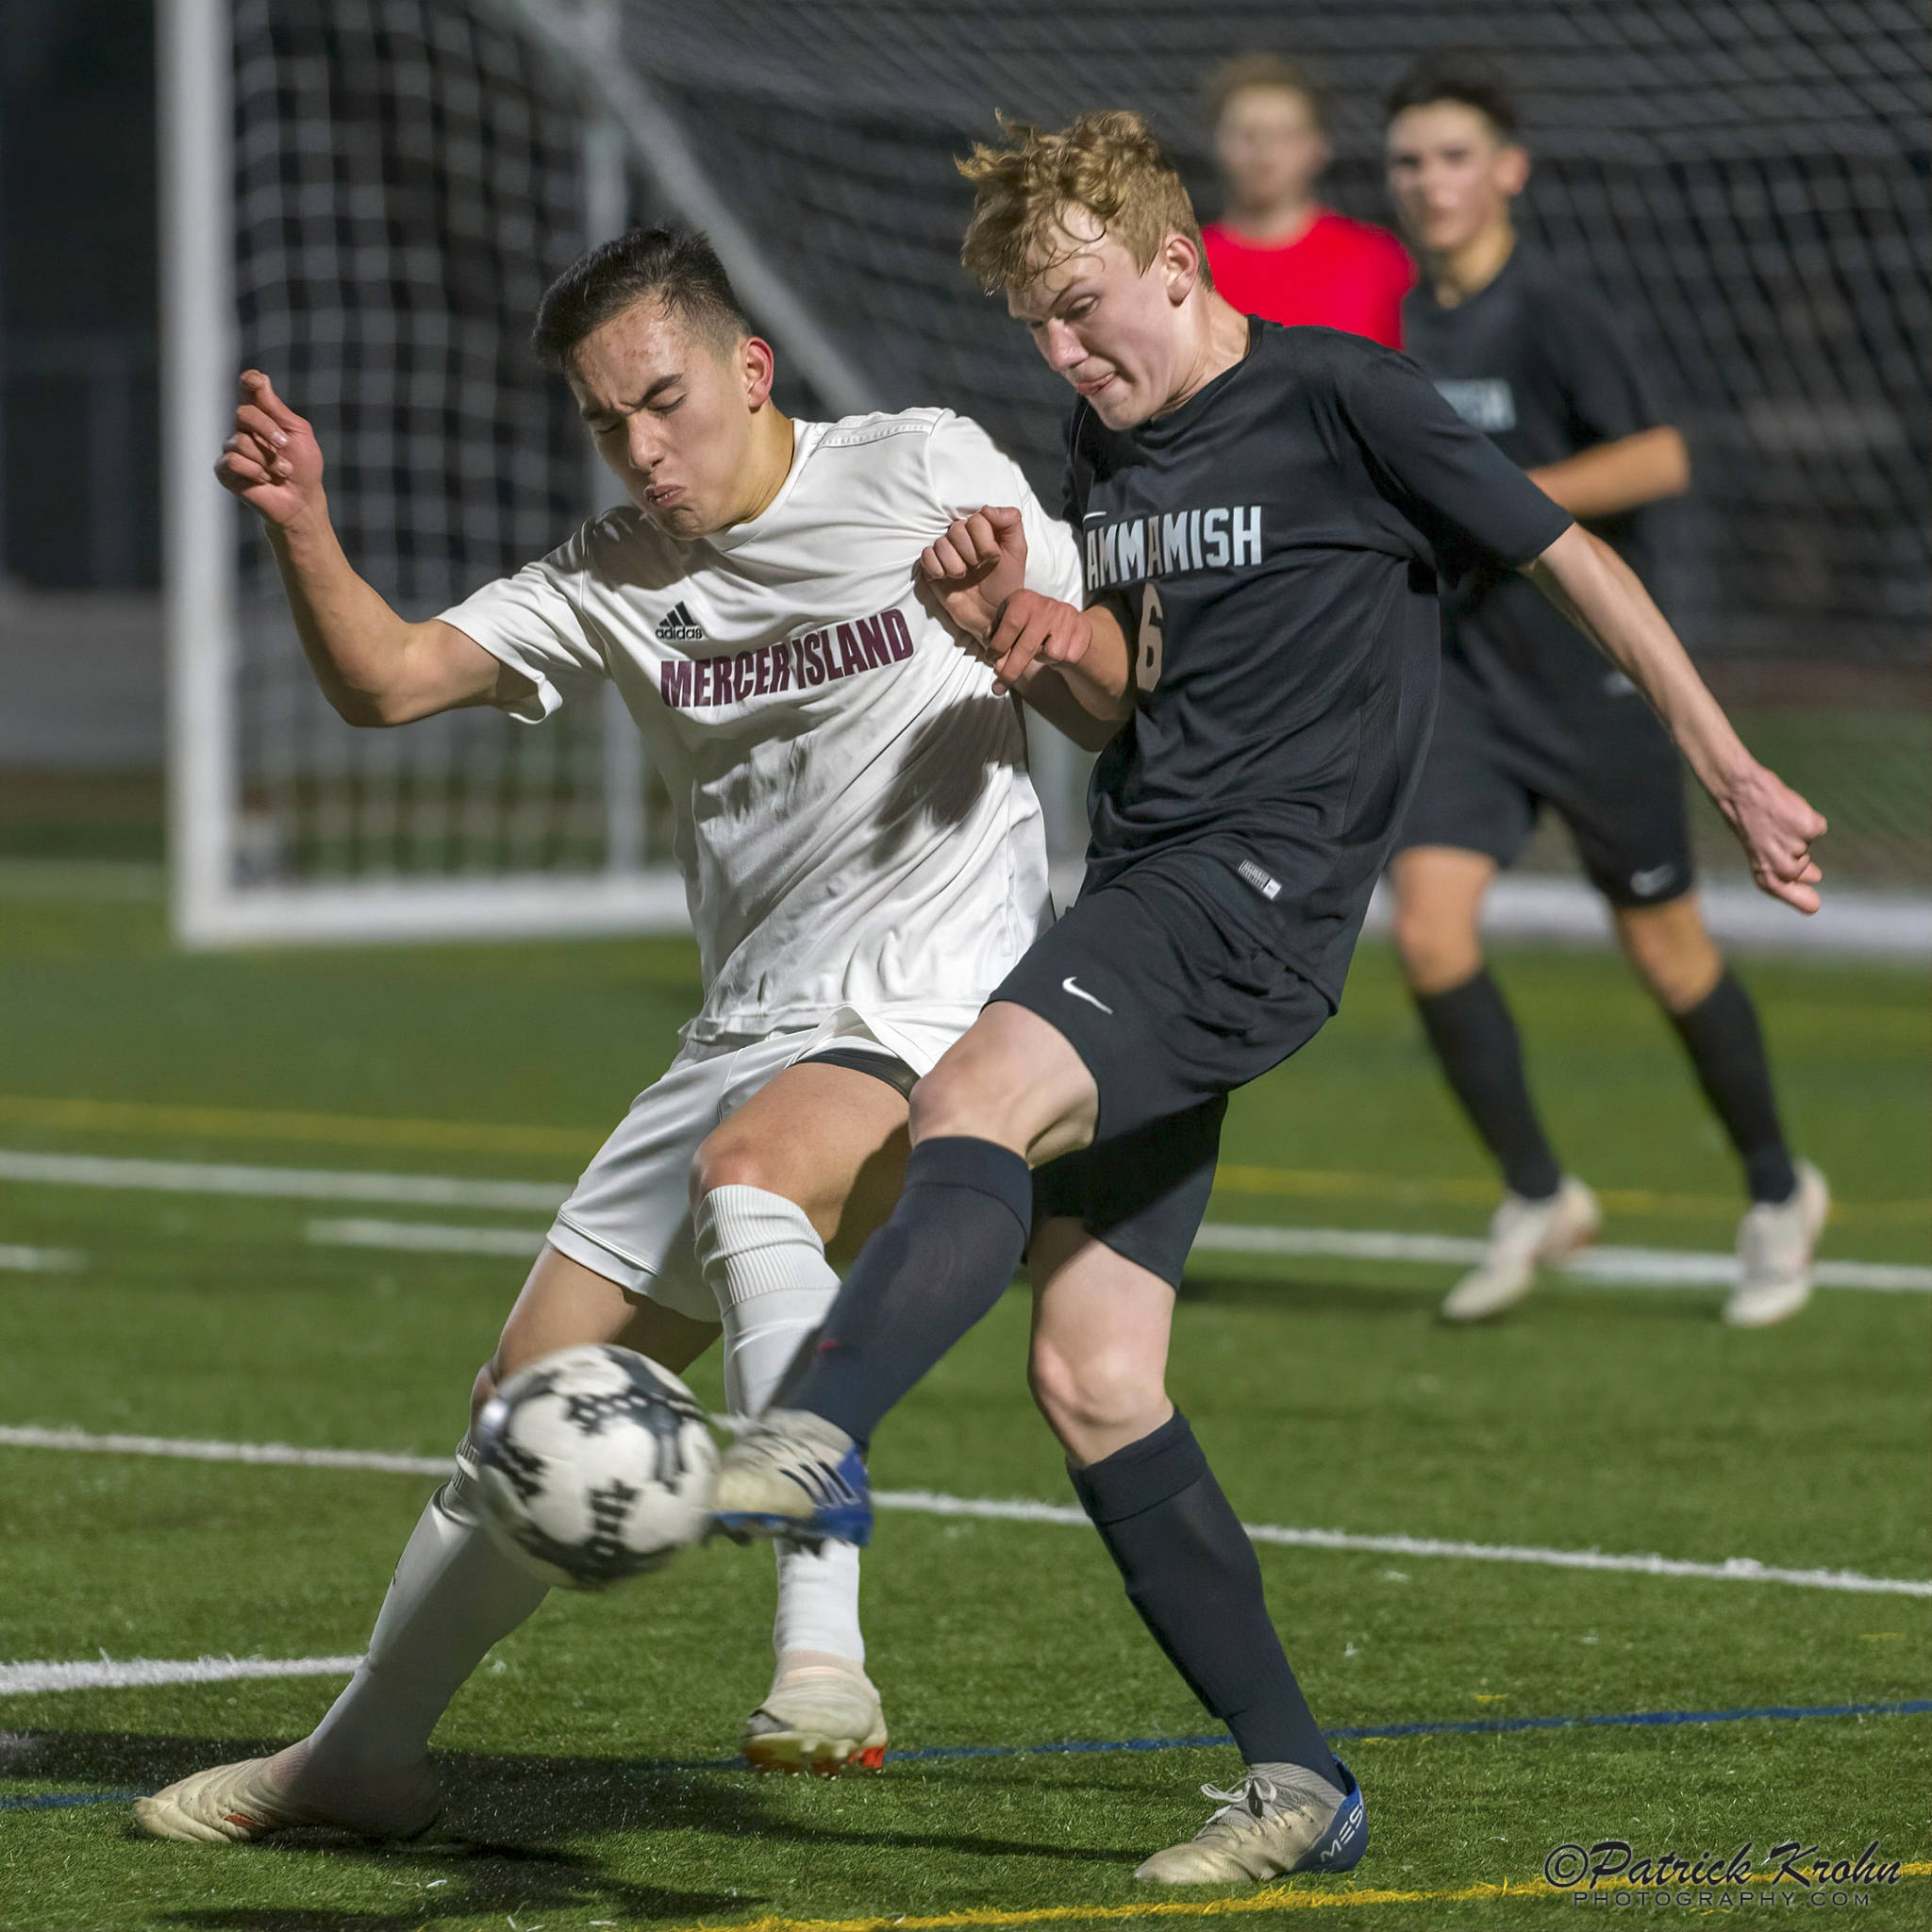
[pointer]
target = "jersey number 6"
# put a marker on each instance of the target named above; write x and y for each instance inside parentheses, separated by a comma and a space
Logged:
(1147, 659)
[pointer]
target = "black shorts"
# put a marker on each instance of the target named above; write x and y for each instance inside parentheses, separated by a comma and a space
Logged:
(1163, 984)
(1600, 761)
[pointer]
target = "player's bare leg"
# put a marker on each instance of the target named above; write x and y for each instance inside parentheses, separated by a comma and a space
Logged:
(1544, 1214)
(1098, 1368)
(1675, 958)
(813, 1162)
(365, 1766)
(1012, 1087)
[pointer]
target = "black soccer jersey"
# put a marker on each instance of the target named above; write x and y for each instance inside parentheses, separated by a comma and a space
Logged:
(1540, 364)
(1274, 544)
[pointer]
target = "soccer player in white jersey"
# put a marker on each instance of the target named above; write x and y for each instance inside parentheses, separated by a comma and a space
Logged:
(863, 862)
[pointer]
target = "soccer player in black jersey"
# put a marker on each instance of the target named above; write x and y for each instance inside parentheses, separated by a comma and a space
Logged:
(1264, 514)
(1531, 715)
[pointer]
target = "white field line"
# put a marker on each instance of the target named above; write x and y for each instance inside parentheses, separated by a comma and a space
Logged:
(17, 1260)
(994, 1509)
(278, 1183)
(188, 1450)
(1733, 1569)
(422, 1238)
(1608, 1267)
(109, 1673)
(1624, 1267)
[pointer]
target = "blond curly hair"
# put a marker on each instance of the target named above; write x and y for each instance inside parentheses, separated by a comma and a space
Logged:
(1109, 164)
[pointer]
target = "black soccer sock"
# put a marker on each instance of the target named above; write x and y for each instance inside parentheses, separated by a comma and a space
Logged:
(946, 1256)
(1191, 1572)
(1726, 1046)
(1475, 1039)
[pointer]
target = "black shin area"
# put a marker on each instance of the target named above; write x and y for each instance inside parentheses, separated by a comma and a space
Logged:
(1726, 1046)
(946, 1256)
(1474, 1036)
(1191, 1572)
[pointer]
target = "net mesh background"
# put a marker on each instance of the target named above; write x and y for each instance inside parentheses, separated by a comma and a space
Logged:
(1746, 180)
(408, 180)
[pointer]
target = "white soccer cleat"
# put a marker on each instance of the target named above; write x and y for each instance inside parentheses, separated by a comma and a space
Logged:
(822, 1715)
(1774, 1244)
(1523, 1234)
(1267, 1827)
(794, 1476)
(240, 1804)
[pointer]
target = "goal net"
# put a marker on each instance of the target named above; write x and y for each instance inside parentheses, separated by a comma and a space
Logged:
(1747, 181)
(365, 197)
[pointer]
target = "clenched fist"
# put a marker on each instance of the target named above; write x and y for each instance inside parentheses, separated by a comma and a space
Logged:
(272, 461)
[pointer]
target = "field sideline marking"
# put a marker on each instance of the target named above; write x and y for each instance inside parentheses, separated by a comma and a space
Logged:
(1021, 1509)
(135, 1672)
(1640, 1267)
(19, 1261)
(577, 1144)
(278, 1183)
(1606, 1267)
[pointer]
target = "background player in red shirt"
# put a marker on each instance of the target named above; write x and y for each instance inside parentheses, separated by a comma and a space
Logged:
(1276, 252)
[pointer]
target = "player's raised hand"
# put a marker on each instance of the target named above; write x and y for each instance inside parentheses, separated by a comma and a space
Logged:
(975, 567)
(272, 461)
(1775, 826)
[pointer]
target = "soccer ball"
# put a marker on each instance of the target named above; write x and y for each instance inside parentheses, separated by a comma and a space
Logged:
(593, 1465)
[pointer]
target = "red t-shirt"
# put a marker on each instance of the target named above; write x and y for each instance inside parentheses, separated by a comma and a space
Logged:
(1337, 273)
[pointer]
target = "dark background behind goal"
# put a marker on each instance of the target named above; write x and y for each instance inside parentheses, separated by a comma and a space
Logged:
(1746, 179)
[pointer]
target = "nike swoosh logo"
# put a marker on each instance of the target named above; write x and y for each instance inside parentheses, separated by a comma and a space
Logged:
(1654, 880)
(1081, 993)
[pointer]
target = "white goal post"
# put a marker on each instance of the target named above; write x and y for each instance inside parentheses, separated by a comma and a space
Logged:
(286, 224)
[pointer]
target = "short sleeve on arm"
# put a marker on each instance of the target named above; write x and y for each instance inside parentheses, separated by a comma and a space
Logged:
(1451, 481)
(969, 472)
(532, 623)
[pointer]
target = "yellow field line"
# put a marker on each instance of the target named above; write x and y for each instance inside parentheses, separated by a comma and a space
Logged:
(576, 1145)
(1276, 1898)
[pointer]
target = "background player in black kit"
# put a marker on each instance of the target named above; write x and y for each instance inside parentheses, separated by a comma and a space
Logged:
(1263, 512)
(1530, 714)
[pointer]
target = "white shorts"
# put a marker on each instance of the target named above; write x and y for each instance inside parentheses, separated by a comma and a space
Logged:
(628, 1218)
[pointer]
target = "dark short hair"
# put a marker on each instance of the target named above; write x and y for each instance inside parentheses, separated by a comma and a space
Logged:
(675, 267)
(1462, 78)
(1275, 71)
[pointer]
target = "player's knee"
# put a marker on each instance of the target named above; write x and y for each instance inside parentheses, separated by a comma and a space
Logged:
(1438, 951)
(1673, 953)
(1097, 1396)
(729, 1160)
(948, 1099)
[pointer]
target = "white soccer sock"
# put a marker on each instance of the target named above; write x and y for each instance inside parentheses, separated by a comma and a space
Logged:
(767, 1267)
(455, 1594)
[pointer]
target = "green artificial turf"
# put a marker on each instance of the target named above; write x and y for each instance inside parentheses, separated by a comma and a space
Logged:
(583, 1763)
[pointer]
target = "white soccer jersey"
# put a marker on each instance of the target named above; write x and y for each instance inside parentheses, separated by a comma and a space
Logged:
(852, 812)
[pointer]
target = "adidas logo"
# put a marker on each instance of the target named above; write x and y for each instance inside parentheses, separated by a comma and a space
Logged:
(679, 627)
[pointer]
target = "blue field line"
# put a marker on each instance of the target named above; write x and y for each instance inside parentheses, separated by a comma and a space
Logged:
(932, 1753)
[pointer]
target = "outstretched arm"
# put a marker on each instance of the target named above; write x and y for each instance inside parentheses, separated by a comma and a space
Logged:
(976, 578)
(1609, 478)
(1599, 592)
(373, 666)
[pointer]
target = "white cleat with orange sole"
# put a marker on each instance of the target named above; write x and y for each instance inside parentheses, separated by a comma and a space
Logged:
(1524, 1233)
(822, 1716)
(240, 1803)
